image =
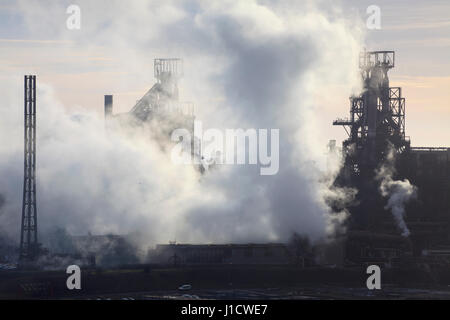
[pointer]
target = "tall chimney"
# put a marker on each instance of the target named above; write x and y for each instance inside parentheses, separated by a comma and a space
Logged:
(108, 106)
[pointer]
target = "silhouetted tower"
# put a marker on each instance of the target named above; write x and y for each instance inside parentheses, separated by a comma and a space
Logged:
(375, 127)
(28, 234)
(377, 117)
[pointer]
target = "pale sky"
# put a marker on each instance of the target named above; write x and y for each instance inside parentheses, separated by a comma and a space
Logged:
(418, 31)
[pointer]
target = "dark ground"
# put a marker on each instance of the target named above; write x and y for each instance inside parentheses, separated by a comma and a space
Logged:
(224, 282)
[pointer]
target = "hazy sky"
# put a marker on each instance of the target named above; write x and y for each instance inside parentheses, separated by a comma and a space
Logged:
(419, 32)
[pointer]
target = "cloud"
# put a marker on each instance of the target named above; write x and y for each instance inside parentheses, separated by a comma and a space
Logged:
(247, 65)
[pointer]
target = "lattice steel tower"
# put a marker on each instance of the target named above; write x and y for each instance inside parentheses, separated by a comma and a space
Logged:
(375, 127)
(28, 235)
(377, 116)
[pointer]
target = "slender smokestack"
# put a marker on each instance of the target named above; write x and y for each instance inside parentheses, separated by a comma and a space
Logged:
(108, 106)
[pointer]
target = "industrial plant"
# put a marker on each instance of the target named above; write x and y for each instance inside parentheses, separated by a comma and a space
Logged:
(399, 218)
(160, 110)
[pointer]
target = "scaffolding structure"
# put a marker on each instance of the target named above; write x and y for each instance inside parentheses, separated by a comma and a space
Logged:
(160, 110)
(163, 97)
(377, 116)
(28, 235)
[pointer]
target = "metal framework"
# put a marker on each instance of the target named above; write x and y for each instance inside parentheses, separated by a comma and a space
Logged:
(163, 96)
(160, 110)
(164, 68)
(430, 149)
(377, 115)
(28, 234)
(370, 59)
(375, 127)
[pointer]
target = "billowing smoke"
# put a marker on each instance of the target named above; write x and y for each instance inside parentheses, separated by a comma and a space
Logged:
(339, 199)
(248, 64)
(398, 192)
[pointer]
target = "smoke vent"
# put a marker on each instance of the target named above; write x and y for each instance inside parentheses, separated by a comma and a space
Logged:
(108, 105)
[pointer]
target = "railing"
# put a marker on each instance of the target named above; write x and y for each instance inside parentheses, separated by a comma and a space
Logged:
(430, 149)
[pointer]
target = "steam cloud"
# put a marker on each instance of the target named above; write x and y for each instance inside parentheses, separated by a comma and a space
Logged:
(248, 64)
(399, 192)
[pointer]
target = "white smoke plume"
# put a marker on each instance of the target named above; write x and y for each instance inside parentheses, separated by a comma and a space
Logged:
(398, 192)
(248, 64)
(339, 199)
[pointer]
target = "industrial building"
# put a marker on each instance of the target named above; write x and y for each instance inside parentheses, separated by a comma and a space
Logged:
(377, 138)
(191, 254)
(159, 112)
(105, 250)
